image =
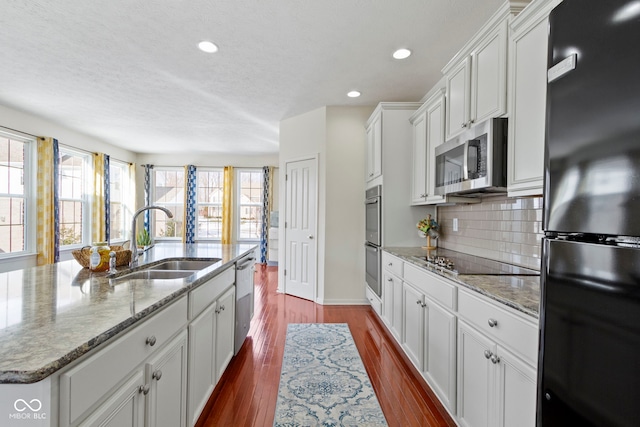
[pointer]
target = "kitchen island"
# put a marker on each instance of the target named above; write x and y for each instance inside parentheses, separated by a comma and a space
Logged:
(55, 316)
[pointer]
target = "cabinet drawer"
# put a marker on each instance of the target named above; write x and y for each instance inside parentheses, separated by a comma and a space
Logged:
(84, 385)
(375, 302)
(202, 296)
(392, 264)
(433, 286)
(511, 330)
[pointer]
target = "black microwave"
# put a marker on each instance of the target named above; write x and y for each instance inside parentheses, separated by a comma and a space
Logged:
(475, 161)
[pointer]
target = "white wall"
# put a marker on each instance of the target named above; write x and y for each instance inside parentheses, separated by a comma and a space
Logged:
(337, 135)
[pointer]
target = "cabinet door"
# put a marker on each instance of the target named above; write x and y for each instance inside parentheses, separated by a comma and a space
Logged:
(202, 375)
(458, 92)
(475, 377)
(516, 391)
(413, 334)
(225, 331)
(374, 149)
(124, 408)
(525, 152)
(398, 310)
(489, 76)
(387, 299)
(440, 353)
(419, 183)
(167, 376)
(435, 137)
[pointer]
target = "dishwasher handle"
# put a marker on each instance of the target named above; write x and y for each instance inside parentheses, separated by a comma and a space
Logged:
(246, 262)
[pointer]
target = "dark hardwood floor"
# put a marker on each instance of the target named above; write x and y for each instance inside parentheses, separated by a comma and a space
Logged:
(247, 392)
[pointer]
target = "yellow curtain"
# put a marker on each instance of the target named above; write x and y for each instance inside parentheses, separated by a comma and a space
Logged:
(45, 224)
(98, 232)
(227, 205)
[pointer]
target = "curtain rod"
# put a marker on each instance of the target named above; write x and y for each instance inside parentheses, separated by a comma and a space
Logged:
(24, 133)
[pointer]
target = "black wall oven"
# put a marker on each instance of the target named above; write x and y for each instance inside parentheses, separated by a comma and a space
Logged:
(373, 208)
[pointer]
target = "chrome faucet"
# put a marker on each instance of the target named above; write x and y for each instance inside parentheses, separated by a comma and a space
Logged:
(134, 243)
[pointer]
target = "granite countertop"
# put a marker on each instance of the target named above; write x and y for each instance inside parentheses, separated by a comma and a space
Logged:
(53, 314)
(519, 292)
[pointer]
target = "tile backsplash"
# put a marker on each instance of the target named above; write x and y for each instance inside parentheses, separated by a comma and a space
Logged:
(500, 228)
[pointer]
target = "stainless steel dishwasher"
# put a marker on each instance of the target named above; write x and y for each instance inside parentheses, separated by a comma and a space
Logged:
(244, 298)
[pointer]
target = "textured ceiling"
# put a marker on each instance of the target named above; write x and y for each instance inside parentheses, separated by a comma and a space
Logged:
(128, 72)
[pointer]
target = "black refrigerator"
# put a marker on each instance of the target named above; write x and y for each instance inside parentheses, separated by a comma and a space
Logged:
(589, 361)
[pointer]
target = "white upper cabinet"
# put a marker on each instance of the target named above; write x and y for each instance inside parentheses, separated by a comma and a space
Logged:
(476, 78)
(428, 133)
(374, 147)
(527, 106)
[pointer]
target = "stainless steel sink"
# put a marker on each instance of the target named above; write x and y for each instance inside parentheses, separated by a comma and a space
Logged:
(185, 264)
(155, 275)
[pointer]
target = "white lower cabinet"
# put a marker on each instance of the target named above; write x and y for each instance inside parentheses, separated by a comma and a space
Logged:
(211, 336)
(166, 376)
(430, 342)
(124, 408)
(495, 387)
(477, 355)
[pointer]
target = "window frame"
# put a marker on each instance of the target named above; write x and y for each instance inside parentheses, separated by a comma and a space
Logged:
(29, 194)
(238, 202)
(154, 212)
(87, 180)
(199, 204)
(125, 191)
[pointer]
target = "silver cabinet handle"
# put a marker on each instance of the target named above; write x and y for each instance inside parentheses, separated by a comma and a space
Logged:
(144, 389)
(157, 375)
(487, 354)
(390, 264)
(471, 121)
(151, 341)
(419, 302)
(495, 359)
(493, 322)
(464, 125)
(222, 308)
(389, 279)
(423, 305)
(310, 236)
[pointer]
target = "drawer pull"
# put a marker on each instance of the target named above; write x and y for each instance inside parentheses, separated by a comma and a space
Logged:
(144, 389)
(157, 375)
(151, 341)
(419, 302)
(389, 279)
(390, 264)
(488, 354)
(495, 359)
(493, 322)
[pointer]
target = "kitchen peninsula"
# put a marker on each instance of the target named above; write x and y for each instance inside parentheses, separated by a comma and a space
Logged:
(56, 317)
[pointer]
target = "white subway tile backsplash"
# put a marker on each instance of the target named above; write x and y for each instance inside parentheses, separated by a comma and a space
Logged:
(500, 228)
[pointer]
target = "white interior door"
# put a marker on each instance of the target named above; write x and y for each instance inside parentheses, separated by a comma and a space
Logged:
(300, 229)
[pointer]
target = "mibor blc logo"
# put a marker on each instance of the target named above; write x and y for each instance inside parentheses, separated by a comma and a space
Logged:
(28, 410)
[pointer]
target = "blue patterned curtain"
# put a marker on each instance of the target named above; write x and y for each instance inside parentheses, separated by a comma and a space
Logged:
(147, 197)
(190, 204)
(267, 172)
(56, 201)
(107, 200)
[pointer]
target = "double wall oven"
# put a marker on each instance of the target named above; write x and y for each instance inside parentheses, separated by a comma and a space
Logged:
(373, 229)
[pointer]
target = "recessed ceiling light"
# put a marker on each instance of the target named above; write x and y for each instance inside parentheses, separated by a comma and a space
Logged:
(401, 53)
(207, 46)
(353, 94)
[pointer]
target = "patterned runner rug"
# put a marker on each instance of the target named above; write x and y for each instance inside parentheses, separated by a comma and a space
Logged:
(323, 381)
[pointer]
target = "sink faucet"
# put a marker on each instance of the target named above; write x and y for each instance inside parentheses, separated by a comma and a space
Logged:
(133, 244)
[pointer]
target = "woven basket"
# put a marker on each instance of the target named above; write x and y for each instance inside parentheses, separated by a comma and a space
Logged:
(123, 256)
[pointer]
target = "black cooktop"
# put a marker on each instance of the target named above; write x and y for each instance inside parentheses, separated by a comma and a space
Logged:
(461, 263)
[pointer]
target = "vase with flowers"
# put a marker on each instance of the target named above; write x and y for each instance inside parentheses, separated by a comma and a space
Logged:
(430, 228)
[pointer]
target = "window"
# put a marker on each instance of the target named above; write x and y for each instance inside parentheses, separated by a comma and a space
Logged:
(120, 212)
(210, 192)
(168, 193)
(73, 203)
(249, 204)
(13, 192)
